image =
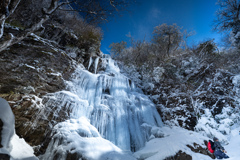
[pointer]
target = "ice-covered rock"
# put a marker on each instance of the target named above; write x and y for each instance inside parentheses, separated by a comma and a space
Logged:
(79, 137)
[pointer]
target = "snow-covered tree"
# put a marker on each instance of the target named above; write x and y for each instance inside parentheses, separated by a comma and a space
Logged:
(228, 19)
(117, 48)
(167, 37)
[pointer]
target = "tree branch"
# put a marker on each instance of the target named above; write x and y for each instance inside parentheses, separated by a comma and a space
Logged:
(12, 5)
(14, 40)
(11, 40)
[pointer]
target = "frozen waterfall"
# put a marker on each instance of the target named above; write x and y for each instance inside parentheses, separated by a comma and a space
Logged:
(104, 106)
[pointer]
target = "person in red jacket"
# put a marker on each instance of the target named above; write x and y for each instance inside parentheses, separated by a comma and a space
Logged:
(219, 151)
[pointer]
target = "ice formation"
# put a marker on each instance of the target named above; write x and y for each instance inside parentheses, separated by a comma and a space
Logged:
(107, 115)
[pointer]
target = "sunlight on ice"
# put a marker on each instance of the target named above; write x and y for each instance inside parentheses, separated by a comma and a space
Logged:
(104, 106)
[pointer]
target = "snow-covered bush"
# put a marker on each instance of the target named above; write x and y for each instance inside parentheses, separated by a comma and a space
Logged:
(158, 73)
(209, 127)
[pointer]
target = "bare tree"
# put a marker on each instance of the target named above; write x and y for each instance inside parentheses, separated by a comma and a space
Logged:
(228, 15)
(167, 37)
(97, 11)
(186, 35)
(117, 48)
(228, 19)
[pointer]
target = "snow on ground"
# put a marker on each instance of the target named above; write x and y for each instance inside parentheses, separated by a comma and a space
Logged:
(20, 149)
(174, 139)
(233, 148)
(177, 138)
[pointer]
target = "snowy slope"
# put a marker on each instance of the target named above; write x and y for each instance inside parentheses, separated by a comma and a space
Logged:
(177, 138)
(233, 148)
(174, 140)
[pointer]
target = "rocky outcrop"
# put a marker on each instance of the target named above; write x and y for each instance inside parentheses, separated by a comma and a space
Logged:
(199, 149)
(28, 71)
(195, 148)
(179, 156)
(31, 67)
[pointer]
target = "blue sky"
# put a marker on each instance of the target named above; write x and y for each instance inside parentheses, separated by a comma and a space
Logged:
(197, 15)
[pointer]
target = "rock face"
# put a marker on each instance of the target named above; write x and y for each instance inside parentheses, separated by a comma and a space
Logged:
(29, 70)
(33, 68)
(206, 87)
(199, 149)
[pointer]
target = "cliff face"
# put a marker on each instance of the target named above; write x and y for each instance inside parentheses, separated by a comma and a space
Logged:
(28, 71)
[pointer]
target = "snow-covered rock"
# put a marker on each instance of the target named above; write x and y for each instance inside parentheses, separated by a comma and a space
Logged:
(174, 140)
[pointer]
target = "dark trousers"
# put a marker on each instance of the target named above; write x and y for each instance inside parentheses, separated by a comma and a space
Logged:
(220, 155)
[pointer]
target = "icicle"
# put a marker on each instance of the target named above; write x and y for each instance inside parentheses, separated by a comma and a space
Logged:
(96, 65)
(90, 63)
(111, 104)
